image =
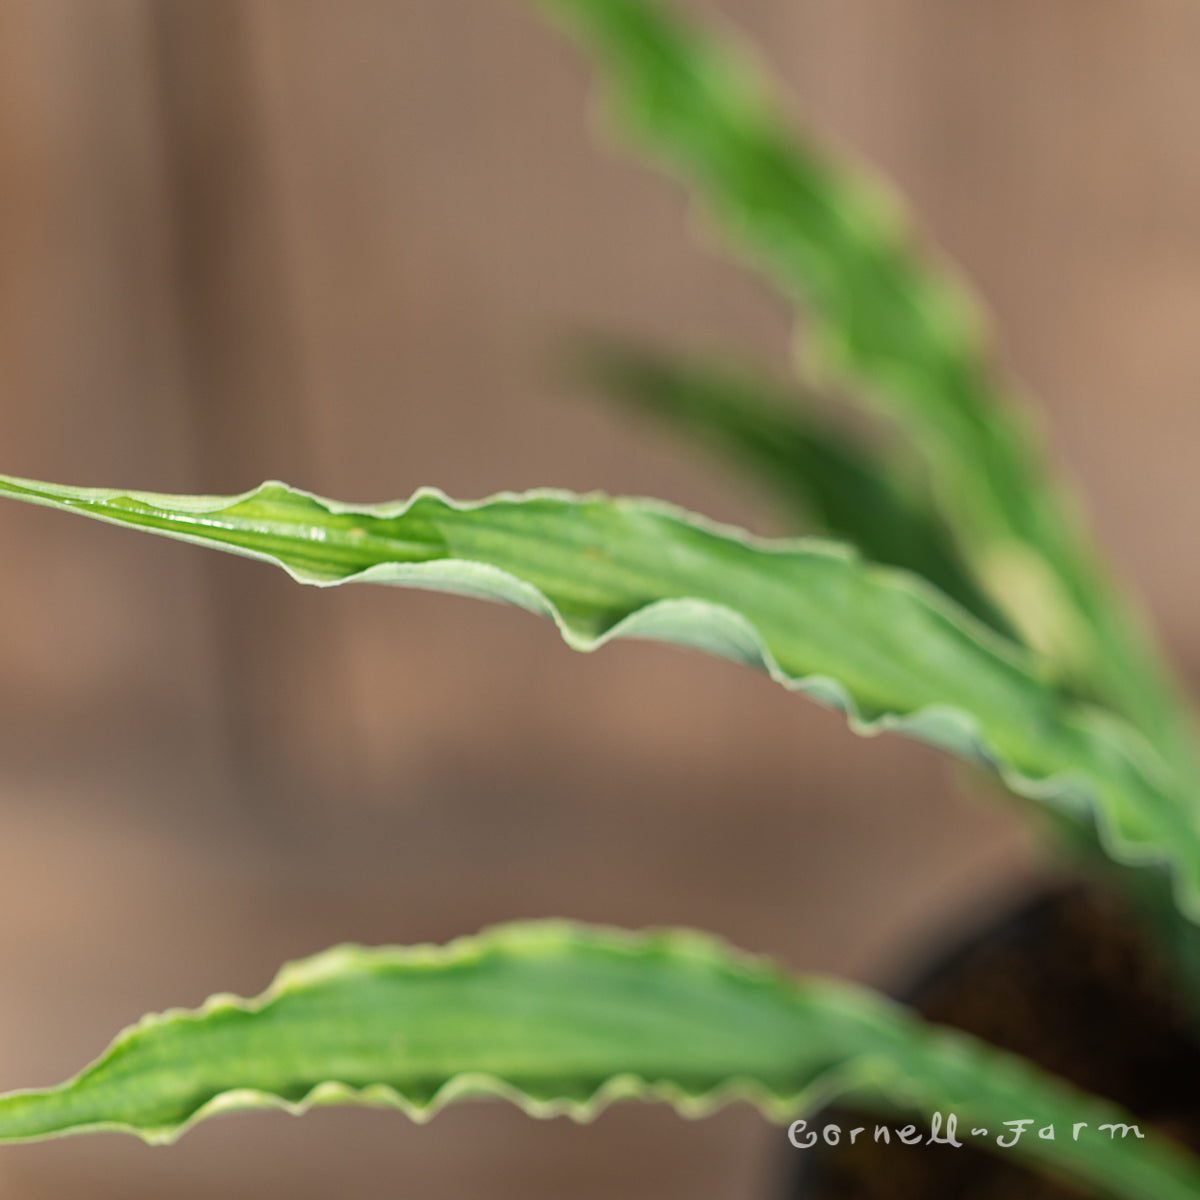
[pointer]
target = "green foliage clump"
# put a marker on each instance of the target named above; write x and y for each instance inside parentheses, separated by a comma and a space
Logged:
(975, 616)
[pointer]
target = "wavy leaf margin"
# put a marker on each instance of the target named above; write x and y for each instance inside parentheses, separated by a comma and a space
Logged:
(563, 1019)
(886, 318)
(835, 484)
(881, 645)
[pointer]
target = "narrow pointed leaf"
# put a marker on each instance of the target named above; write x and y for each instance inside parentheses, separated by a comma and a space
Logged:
(885, 319)
(882, 645)
(848, 492)
(839, 487)
(564, 1019)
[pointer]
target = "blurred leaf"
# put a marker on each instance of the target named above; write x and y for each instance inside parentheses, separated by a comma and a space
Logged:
(564, 1019)
(884, 318)
(882, 645)
(844, 489)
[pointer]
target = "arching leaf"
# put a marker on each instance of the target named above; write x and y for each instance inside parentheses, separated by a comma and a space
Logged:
(884, 318)
(564, 1019)
(882, 645)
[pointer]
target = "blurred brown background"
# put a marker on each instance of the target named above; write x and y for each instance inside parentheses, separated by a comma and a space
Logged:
(334, 241)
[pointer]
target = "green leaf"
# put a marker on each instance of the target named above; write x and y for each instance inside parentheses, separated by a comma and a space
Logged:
(886, 320)
(564, 1019)
(881, 645)
(851, 493)
(841, 487)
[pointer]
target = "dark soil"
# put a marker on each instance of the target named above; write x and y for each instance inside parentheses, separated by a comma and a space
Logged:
(1067, 983)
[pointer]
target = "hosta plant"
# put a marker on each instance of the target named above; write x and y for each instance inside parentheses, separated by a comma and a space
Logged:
(972, 613)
